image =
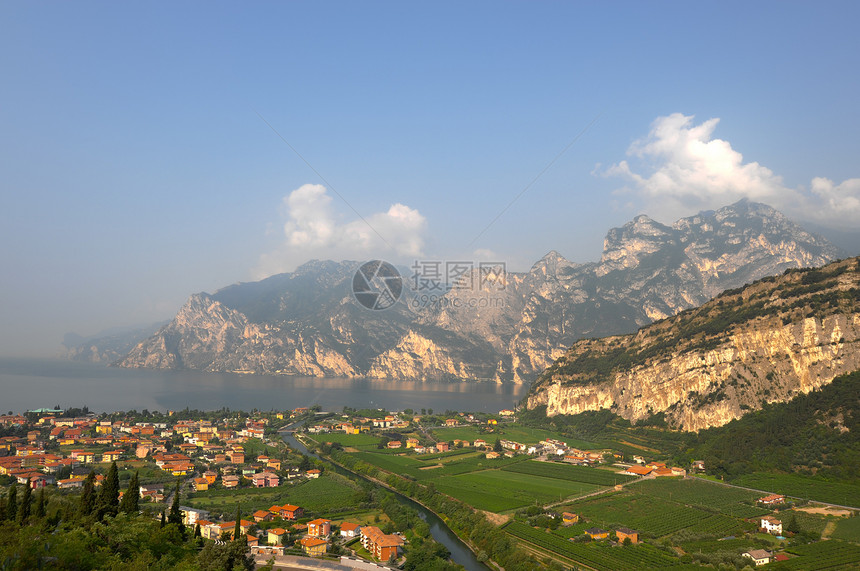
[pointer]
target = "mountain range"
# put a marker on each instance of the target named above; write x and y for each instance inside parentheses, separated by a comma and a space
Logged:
(764, 343)
(508, 328)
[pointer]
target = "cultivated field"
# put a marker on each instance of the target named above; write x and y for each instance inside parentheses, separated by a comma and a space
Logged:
(803, 487)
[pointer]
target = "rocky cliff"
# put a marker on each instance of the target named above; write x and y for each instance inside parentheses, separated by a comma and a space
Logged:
(504, 326)
(705, 367)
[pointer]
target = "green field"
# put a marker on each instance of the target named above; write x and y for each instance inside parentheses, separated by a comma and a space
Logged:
(803, 487)
(653, 515)
(362, 441)
(465, 465)
(570, 472)
(597, 555)
(848, 529)
(704, 494)
(833, 554)
(444, 455)
(392, 463)
(713, 545)
(329, 493)
(500, 490)
(521, 434)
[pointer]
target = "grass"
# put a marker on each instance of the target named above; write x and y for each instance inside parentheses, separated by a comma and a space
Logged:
(848, 529)
(804, 487)
(570, 472)
(648, 514)
(500, 490)
(392, 463)
(522, 434)
(703, 494)
(361, 441)
(329, 493)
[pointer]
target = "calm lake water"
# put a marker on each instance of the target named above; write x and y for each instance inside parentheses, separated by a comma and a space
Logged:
(27, 384)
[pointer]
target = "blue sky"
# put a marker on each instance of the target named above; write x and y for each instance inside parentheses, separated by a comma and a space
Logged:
(135, 167)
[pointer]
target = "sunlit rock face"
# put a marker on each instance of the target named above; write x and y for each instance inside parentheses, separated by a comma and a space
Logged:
(503, 327)
(765, 343)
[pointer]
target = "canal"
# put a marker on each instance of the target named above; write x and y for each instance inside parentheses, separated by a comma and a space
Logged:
(460, 553)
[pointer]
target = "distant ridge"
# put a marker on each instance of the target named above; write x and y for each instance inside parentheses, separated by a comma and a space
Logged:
(763, 343)
(307, 322)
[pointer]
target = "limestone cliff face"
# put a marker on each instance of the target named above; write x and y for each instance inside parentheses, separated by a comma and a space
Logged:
(766, 343)
(503, 326)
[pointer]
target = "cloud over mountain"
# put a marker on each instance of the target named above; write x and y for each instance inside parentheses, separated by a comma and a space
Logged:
(679, 168)
(313, 229)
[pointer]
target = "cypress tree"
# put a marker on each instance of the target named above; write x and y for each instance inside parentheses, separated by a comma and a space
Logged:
(175, 515)
(131, 498)
(197, 530)
(12, 502)
(237, 529)
(88, 495)
(39, 512)
(109, 494)
(26, 500)
(162, 519)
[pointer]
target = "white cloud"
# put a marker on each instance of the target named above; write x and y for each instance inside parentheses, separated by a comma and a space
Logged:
(314, 230)
(679, 169)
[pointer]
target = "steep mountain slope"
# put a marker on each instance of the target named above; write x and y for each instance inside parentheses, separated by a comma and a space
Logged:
(704, 367)
(504, 326)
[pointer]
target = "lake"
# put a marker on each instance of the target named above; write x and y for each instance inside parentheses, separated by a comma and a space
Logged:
(27, 384)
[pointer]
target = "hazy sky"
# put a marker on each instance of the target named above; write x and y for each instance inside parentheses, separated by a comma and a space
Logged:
(137, 165)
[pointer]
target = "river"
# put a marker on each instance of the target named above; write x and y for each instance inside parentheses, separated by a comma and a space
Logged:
(459, 552)
(27, 384)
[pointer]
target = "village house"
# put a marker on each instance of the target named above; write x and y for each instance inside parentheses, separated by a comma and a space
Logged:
(637, 471)
(230, 481)
(348, 529)
(276, 536)
(771, 500)
(191, 516)
(623, 533)
(381, 546)
(395, 444)
(313, 473)
(313, 546)
(568, 518)
(200, 484)
(266, 480)
(771, 525)
(442, 446)
(759, 556)
(262, 515)
(596, 533)
(319, 527)
(287, 511)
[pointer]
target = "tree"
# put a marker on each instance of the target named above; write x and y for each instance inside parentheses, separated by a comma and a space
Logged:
(162, 519)
(12, 502)
(26, 501)
(39, 512)
(109, 494)
(175, 516)
(792, 525)
(88, 495)
(131, 498)
(497, 446)
(237, 529)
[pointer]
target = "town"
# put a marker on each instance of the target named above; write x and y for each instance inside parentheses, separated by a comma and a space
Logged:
(233, 475)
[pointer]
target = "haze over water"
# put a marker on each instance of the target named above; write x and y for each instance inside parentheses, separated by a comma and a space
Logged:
(35, 383)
